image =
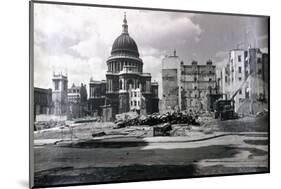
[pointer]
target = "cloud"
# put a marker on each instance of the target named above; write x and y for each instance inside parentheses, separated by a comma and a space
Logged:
(264, 50)
(78, 69)
(222, 54)
(78, 40)
(221, 59)
(152, 65)
(221, 64)
(162, 30)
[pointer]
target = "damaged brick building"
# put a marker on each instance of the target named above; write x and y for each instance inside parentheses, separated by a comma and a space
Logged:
(186, 86)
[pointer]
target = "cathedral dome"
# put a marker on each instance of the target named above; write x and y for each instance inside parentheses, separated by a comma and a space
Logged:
(124, 44)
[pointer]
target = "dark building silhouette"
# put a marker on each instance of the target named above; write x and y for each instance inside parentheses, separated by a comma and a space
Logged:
(96, 97)
(42, 101)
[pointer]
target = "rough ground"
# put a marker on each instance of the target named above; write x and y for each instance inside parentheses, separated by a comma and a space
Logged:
(130, 154)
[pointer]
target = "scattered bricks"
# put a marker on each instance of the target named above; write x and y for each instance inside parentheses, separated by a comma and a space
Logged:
(99, 134)
(119, 124)
(85, 120)
(41, 125)
(162, 130)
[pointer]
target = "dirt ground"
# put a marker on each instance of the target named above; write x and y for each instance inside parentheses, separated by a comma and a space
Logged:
(131, 153)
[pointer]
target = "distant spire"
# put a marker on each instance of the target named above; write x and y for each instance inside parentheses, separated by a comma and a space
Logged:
(125, 26)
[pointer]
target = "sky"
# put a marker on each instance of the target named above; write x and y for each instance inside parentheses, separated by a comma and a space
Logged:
(77, 40)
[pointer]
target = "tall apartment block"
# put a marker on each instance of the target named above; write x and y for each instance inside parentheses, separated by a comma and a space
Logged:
(245, 79)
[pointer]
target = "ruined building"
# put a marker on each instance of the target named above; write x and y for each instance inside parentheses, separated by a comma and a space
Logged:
(186, 87)
(77, 101)
(170, 82)
(197, 83)
(245, 79)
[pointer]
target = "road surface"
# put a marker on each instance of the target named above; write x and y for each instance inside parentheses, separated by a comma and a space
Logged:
(240, 146)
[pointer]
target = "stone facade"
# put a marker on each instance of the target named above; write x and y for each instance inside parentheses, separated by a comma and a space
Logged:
(125, 74)
(59, 94)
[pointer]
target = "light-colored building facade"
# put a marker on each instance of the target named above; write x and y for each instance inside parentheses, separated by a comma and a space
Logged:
(244, 79)
(135, 99)
(238, 73)
(59, 94)
(77, 100)
(170, 83)
(73, 94)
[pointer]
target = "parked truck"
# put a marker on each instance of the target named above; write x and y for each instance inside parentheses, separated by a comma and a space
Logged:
(224, 109)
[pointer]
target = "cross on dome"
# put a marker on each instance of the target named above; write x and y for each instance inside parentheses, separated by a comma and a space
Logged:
(125, 25)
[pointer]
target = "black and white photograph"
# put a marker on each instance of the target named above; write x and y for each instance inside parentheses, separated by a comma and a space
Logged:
(122, 94)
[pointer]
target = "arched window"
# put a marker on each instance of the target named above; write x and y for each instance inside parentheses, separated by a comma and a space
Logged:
(129, 84)
(120, 84)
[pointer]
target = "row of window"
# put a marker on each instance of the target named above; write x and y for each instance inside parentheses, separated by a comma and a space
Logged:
(209, 88)
(240, 78)
(135, 103)
(259, 60)
(195, 79)
(135, 94)
(197, 72)
(118, 66)
(232, 79)
(57, 85)
(73, 90)
(96, 92)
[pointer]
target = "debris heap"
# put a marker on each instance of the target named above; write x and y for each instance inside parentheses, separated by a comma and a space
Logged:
(155, 119)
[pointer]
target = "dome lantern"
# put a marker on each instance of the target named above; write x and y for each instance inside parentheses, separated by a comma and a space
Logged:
(124, 44)
(125, 25)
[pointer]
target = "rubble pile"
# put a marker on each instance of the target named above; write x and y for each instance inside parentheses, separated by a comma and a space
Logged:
(85, 120)
(163, 130)
(155, 119)
(39, 125)
(262, 113)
